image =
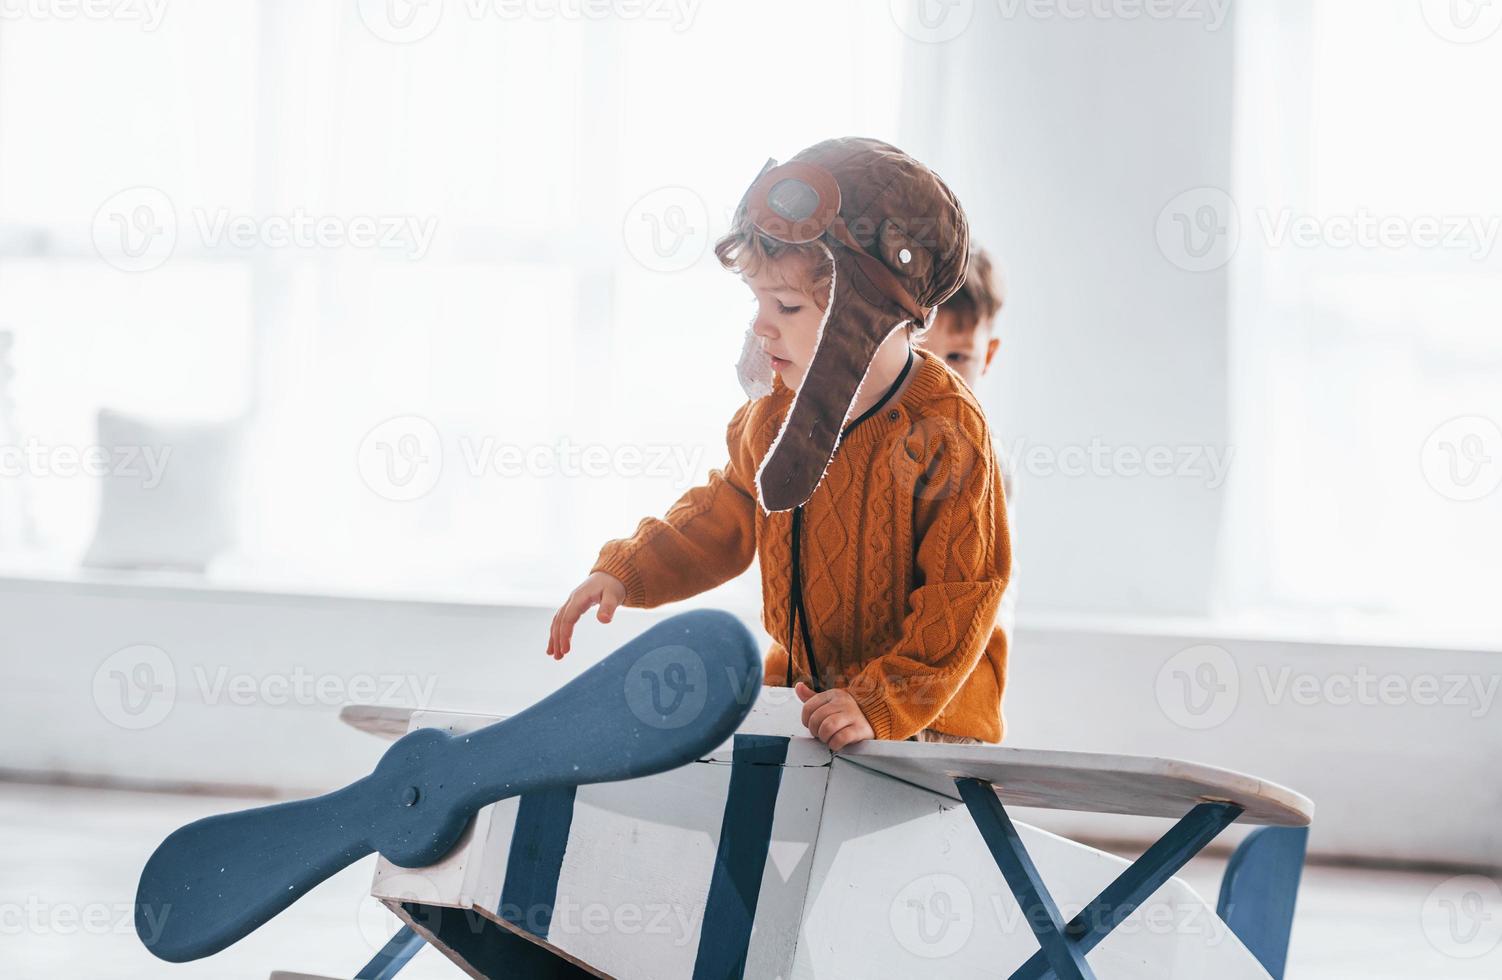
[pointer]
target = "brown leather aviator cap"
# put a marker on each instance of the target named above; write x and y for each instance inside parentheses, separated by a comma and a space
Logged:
(898, 240)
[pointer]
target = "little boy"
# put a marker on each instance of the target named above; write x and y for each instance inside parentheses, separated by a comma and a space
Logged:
(964, 333)
(861, 472)
(964, 337)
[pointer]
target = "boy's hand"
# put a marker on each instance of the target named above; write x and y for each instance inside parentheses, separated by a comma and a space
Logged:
(600, 589)
(833, 717)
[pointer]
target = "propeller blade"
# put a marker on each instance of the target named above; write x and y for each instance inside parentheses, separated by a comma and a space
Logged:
(664, 699)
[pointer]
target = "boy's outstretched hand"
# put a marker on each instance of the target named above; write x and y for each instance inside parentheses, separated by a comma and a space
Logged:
(833, 717)
(600, 589)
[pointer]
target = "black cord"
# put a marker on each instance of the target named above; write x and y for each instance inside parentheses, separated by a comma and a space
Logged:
(796, 613)
(797, 616)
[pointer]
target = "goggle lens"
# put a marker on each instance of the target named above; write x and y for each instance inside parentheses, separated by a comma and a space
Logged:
(792, 199)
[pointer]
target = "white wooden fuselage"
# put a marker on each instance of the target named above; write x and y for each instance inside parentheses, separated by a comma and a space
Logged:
(865, 876)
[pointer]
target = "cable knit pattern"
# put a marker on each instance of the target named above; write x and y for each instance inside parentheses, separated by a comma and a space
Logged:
(905, 556)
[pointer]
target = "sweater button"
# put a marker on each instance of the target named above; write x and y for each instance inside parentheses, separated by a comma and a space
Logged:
(893, 415)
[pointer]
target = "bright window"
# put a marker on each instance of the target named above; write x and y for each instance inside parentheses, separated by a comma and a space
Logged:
(543, 298)
(1368, 285)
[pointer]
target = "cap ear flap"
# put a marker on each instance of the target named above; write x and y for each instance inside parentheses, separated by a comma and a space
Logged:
(902, 252)
(801, 453)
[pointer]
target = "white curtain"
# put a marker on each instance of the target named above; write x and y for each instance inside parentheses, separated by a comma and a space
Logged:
(1367, 301)
(544, 301)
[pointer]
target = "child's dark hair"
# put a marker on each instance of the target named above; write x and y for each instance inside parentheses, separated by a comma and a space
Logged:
(980, 297)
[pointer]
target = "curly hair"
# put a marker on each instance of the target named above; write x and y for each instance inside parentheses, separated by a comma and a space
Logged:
(743, 249)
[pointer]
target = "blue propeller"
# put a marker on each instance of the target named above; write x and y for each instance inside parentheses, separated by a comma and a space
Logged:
(664, 699)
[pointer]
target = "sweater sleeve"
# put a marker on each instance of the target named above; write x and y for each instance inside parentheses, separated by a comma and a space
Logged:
(963, 561)
(706, 538)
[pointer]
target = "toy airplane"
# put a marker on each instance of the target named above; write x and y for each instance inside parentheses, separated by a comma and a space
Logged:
(661, 816)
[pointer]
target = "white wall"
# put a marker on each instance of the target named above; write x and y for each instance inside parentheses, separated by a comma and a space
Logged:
(1375, 771)
(1395, 745)
(1064, 139)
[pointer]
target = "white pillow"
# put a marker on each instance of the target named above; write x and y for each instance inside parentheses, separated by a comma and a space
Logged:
(169, 494)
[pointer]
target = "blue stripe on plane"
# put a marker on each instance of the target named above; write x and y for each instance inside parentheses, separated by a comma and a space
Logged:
(745, 836)
(543, 820)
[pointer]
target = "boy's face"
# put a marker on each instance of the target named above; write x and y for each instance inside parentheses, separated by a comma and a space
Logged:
(967, 350)
(787, 316)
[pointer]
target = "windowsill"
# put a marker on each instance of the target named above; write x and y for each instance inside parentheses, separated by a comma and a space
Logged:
(463, 591)
(492, 591)
(186, 584)
(1272, 627)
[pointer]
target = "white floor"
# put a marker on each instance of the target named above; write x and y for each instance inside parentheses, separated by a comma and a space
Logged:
(69, 860)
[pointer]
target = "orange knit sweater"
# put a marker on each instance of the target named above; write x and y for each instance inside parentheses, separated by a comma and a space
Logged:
(904, 557)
